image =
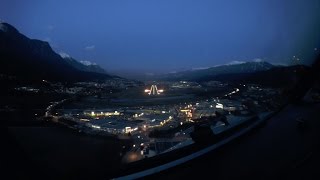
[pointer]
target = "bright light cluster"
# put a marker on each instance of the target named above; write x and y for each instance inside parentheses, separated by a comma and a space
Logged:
(153, 90)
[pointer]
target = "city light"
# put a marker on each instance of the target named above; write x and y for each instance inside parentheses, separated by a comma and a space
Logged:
(219, 106)
(96, 127)
(128, 129)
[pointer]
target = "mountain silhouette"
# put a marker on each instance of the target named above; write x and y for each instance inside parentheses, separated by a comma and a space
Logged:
(34, 59)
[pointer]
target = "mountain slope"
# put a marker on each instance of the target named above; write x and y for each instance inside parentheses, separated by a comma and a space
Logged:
(196, 75)
(275, 77)
(34, 59)
(84, 67)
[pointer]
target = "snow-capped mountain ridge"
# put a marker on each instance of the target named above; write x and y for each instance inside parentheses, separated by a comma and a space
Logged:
(88, 63)
(257, 60)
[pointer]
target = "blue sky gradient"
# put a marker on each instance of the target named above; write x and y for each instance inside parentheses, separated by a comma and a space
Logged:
(168, 35)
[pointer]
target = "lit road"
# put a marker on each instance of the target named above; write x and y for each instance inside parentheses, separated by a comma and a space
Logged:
(279, 149)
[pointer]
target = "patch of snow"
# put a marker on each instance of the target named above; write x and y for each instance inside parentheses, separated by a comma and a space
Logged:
(88, 63)
(235, 62)
(230, 63)
(64, 55)
(258, 60)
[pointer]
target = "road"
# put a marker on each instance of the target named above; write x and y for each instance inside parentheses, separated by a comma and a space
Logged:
(279, 149)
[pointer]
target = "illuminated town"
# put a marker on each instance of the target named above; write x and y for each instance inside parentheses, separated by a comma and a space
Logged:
(164, 123)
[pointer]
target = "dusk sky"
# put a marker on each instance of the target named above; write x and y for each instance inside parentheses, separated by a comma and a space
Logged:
(169, 35)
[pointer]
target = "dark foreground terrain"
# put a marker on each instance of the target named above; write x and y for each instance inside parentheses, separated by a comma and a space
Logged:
(280, 149)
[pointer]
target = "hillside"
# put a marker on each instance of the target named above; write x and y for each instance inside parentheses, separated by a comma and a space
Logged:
(33, 59)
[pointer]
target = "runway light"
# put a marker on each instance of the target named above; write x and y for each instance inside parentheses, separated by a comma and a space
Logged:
(153, 90)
